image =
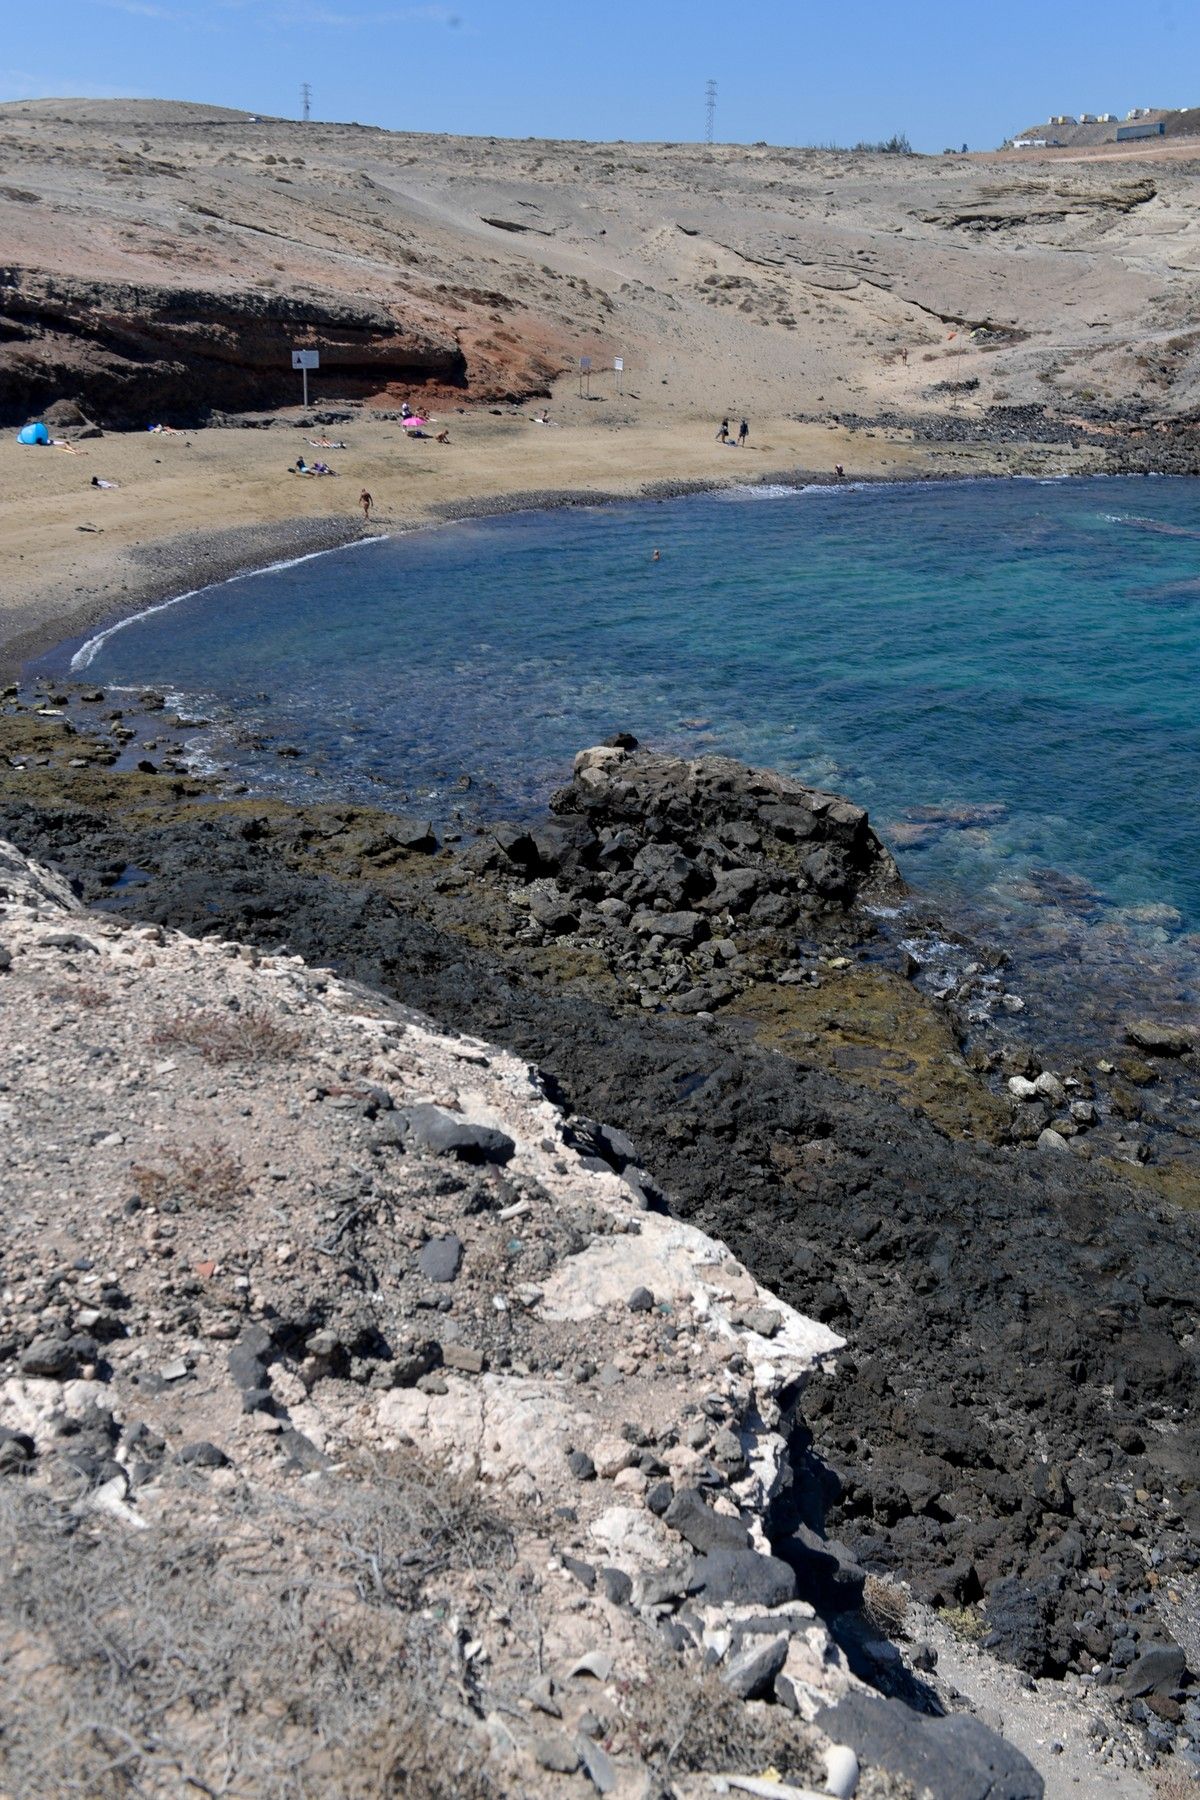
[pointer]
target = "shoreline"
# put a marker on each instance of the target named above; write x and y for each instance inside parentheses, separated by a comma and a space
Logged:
(235, 552)
(228, 555)
(208, 505)
(213, 557)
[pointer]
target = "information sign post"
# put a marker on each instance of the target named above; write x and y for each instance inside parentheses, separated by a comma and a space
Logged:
(304, 360)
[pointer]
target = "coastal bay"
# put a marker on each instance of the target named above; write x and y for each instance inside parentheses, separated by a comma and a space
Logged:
(625, 997)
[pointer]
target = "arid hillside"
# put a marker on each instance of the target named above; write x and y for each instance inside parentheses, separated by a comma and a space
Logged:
(163, 258)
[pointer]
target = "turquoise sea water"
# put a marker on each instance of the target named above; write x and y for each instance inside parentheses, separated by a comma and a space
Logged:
(1006, 674)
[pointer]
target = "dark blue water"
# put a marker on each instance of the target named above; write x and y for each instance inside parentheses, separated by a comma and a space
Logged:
(1006, 674)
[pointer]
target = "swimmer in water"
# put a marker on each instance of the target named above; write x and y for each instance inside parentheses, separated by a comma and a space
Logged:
(657, 556)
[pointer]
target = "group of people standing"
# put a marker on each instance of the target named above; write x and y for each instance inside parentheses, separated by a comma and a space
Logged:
(723, 436)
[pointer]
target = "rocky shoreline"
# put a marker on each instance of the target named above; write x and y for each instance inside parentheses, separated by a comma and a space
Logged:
(1012, 1430)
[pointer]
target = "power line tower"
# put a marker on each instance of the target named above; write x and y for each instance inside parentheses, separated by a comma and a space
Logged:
(710, 110)
(306, 100)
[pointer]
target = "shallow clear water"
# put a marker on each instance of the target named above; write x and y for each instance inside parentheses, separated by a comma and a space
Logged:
(1006, 674)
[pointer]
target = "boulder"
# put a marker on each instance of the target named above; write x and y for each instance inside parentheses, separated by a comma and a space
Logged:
(412, 834)
(1016, 1615)
(702, 1527)
(751, 1673)
(1161, 1670)
(447, 1133)
(1159, 1039)
(50, 1358)
(828, 871)
(681, 927)
(549, 910)
(741, 1578)
(827, 1576)
(955, 1758)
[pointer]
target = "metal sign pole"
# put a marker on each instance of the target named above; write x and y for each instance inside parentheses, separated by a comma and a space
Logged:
(305, 378)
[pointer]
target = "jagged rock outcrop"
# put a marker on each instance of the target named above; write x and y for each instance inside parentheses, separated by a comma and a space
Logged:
(685, 871)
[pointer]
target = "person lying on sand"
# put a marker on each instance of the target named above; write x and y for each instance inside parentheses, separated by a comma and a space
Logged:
(165, 430)
(326, 444)
(62, 444)
(317, 468)
(96, 482)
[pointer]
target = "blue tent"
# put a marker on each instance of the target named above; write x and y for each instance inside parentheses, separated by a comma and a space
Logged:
(33, 434)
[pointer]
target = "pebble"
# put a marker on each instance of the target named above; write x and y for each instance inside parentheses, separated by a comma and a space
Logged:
(202, 1455)
(841, 1771)
(556, 1752)
(440, 1258)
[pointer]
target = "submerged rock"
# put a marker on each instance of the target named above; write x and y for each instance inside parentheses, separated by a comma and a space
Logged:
(1158, 1039)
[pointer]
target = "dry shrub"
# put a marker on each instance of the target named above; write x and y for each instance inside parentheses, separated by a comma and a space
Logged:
(78, 993)
(964, 1621)
(222, 1035)
(682, 1720)
(885, 1605)
(194, 1175)
(1172, 1784)
(270, 1656)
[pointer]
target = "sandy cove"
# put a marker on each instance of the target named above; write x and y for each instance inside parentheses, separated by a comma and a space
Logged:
(199, 506)
(165, 258)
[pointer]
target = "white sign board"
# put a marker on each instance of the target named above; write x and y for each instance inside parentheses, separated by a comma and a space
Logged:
(585, 362)
(619, 364)
(306, 359)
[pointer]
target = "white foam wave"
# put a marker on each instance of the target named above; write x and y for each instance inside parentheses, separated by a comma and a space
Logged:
(88, 651)
(779, 490)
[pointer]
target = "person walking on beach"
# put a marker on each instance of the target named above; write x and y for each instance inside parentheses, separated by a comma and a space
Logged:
(723, 432)
(366, 502)
(743, 434)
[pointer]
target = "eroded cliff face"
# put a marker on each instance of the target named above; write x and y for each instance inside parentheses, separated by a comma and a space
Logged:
(132, 353)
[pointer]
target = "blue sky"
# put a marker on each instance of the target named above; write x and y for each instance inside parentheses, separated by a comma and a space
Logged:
(789, 71)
